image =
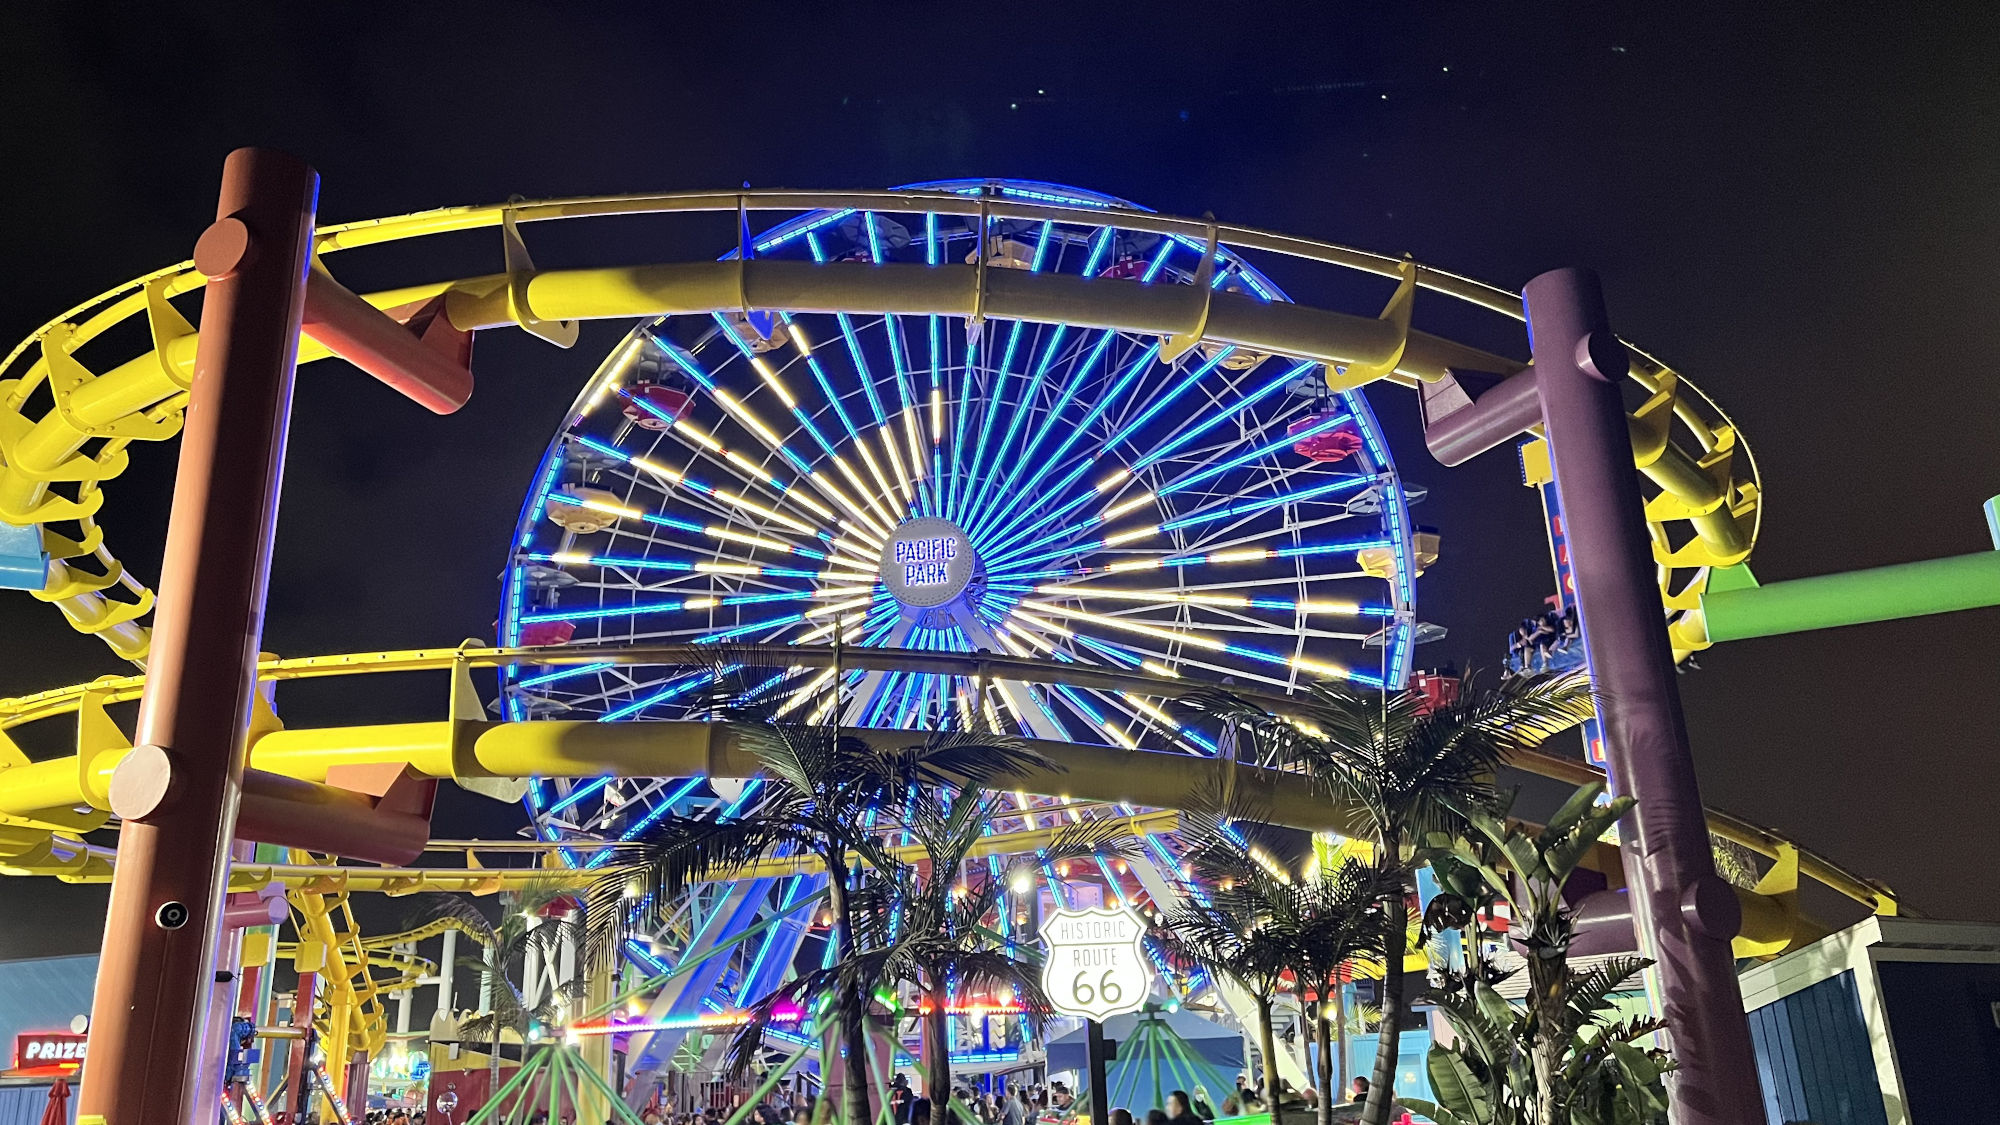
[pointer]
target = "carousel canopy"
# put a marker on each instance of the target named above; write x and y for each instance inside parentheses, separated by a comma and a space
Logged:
(1158, 1053)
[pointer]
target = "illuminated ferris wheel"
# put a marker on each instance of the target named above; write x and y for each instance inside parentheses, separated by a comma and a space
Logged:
(1047, 489)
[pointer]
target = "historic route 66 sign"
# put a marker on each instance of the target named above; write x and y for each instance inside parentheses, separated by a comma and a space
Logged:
(1095, 966)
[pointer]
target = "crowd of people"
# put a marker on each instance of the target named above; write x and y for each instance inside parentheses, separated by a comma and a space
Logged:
(1015, 1104)
(1036, 1104)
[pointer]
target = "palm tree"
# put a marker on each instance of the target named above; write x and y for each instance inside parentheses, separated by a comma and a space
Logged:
(822, 789)
(936, 923)
(1407, 768)
(525, 924)
(1334, 918)
(1237, 927)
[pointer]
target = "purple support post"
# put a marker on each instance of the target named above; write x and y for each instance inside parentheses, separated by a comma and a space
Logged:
(1685, 913)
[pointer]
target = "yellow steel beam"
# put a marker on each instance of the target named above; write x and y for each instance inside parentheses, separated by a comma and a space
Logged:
(1709, 489)
(311, 878)
(471, 749)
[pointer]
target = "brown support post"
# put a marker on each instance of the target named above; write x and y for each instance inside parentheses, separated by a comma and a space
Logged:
(355, 1087)
(1685, 914)
(297, 1085)
(158, 961)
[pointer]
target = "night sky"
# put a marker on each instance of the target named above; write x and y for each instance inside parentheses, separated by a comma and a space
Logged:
(1798, 209)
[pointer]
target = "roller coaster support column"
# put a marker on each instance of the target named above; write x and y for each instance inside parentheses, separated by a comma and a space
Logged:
(447, 973)
(1686, 914)
(160, 933)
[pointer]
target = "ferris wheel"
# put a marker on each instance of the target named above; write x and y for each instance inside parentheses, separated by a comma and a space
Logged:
(1087, 497)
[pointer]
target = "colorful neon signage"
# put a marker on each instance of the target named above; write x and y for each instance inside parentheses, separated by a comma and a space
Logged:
(48, 1048)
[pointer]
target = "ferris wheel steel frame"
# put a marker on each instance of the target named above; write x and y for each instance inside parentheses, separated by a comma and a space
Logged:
(954, 411)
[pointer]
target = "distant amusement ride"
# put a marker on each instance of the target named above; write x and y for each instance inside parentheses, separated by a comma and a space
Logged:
(991, 455)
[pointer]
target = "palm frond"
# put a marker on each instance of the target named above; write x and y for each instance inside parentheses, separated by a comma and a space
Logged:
(1590, 990)
(746, 1047)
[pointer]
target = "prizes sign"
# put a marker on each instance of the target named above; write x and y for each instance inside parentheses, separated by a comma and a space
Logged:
(48, 1048)
(1096, 966)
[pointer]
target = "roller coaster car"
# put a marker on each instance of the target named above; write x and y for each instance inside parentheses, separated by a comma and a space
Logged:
(547, 633)
(1327, 446)
(656, 406)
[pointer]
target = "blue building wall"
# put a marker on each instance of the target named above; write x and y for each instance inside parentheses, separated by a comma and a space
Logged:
(1413, 1048)
(43, 994)
(25, 1104)
(1942, 1014)
(40, 994)
(1813, 1057)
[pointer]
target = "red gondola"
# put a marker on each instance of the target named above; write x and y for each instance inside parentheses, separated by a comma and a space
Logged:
(1336, 444)
(547, 633)
(655, 406)
(1131, 269)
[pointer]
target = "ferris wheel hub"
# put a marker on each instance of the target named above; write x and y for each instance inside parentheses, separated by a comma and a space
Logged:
(928, 562)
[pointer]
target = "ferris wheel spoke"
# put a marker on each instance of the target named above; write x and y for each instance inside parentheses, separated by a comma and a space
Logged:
(1257, 395)
(1082, 429)
(799, 340)
(720, 501)
(559, 674)
(1072, 386)
(1211, 472)
(960, 479)
(1150, 716)
(1070, 696)
(732, 406)
(724, 535)
(697, 604)
(1200, 640)
(1121, 479)
(939, 358)
(625, 686)
(622, 572)
(1042, 358)
(847, 334)
(830, 397)
(1162, 662)
(995, 399)
(1211, 598)
(1251, 626)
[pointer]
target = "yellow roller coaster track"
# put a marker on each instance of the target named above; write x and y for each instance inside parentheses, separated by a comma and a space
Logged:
(46, 807)
(64, 428)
